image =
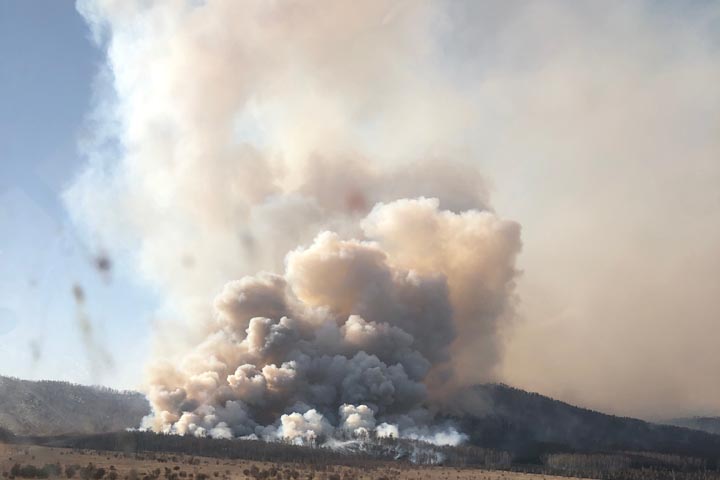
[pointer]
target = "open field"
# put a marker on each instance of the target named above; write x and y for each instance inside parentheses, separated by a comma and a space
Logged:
(122, 466)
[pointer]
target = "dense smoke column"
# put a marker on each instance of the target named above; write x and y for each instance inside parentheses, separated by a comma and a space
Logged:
(294, 139)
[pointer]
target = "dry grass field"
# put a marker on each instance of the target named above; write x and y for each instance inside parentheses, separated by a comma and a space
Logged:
(121, 466)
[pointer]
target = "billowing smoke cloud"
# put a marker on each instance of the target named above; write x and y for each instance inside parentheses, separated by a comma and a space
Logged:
(229, 134)
(287, 137)
(347, 338)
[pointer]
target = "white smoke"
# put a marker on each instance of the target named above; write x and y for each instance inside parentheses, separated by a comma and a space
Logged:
(297, 138)
(358, 420)
(305, 427)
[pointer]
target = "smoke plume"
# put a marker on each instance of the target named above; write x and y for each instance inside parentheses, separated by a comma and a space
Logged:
(296, 139)
(229, 137)
(349, 335)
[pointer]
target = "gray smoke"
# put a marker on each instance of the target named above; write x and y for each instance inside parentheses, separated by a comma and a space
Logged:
(348, 337)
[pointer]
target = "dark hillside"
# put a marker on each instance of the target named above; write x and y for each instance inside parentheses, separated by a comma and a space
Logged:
(706, 424)
(531, 425)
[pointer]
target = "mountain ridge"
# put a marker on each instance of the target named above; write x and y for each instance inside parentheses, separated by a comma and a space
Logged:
(530, 424)
(494, 416)
(50, 407)
(704, 423)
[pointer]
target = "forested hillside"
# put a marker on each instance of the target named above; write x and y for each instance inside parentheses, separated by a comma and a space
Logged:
(51, 408)
(532, 425)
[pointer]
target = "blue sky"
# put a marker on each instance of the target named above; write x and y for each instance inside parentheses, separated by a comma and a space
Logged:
(47, 66)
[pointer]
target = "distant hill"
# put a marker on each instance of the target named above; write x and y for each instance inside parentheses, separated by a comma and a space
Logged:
(705, 424)
(527, 425)
(53, 408)
(531, 425)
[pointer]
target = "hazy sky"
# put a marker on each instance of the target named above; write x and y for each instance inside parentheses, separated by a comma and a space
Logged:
(47, 66)
(596, 126)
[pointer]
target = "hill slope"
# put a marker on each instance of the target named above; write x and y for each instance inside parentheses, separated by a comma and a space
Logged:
(51, 408)
(706, 424)
(530, 425)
